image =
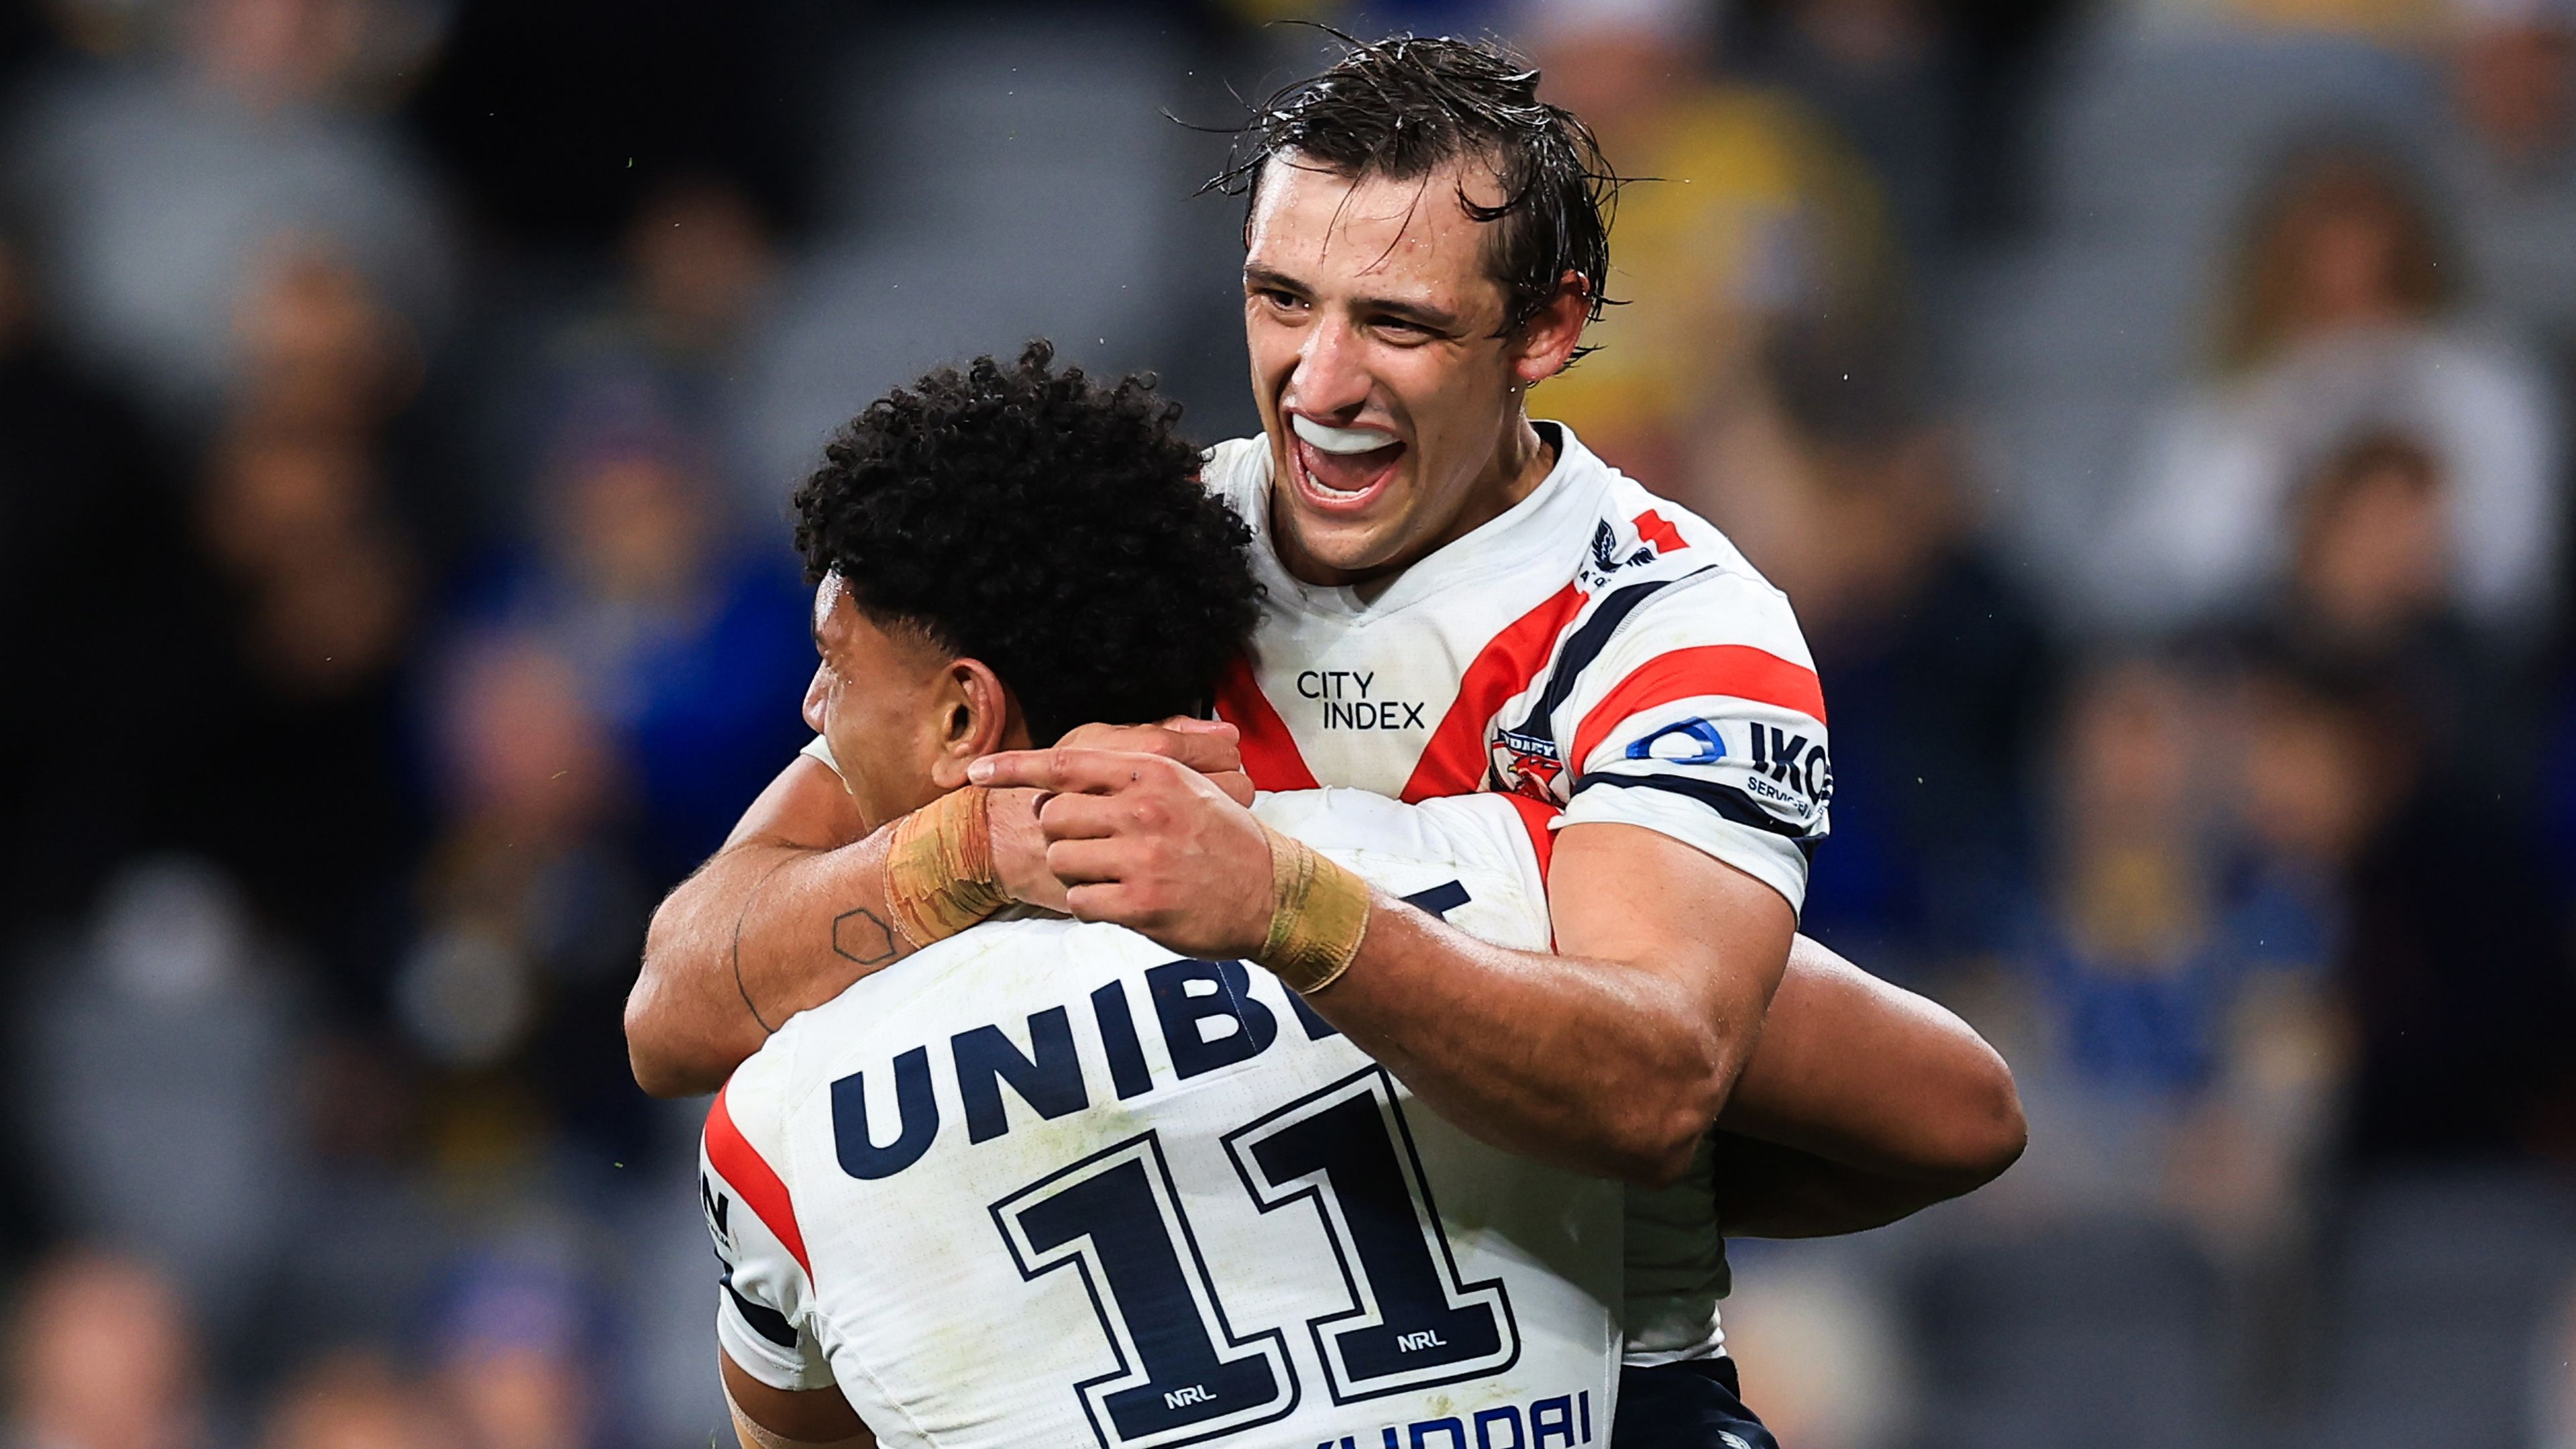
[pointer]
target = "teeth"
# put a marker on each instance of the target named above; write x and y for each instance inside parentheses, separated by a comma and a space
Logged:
(1339, 440)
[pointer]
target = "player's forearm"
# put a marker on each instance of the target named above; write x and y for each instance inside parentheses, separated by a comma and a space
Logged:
(762, 931)
(1871, 1077)
(1592, 1064)
(1765, 1190)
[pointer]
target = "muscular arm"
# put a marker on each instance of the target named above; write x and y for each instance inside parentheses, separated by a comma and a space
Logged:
(1851, 1104)
(1872, 1076)
(1612, 1055)
(790, 911)
(1864, 1103)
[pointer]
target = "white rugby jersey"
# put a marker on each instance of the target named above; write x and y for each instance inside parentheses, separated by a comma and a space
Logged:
(1594, 648)
(1597, 650)
(1041, 1183)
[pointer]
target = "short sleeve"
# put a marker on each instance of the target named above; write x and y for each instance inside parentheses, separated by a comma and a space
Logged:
(1702, 719)
(821, 750)
(765, 1301)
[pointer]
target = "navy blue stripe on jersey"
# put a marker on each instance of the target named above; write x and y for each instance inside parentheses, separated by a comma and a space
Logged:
(768, 1322)
(1585, 645)
(1725, 799)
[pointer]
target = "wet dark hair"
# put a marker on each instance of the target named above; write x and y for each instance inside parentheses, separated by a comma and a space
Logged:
(1402, 107)
(1049, 526)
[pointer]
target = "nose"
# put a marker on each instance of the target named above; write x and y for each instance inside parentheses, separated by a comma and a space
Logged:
(1330, 379)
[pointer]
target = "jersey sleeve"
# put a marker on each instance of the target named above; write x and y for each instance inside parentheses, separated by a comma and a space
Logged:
(764, 1304)
(821, 750)
(1701, 719)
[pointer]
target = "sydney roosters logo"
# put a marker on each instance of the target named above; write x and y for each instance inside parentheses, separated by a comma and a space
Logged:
(1527, 764)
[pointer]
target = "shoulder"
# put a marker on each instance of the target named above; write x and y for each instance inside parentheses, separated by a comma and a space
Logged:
(1238, 471)
(1664, 577)
(1711, 607)
(1491, 845)
(820, 1044)
(1675, 531)
(1334, 819)
(755, 1100)
(1641, 534)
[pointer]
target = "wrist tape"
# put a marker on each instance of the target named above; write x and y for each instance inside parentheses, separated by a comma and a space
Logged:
(1319, 912)
(939, 867)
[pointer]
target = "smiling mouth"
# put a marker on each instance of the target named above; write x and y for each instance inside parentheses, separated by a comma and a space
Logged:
(1342, 467)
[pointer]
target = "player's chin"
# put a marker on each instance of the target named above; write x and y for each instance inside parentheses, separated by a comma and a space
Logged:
(1348, 545)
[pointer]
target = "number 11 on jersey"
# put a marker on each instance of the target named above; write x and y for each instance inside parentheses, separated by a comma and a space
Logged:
(1183, 1374)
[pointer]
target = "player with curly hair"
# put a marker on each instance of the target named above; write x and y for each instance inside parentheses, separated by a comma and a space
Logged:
(960, 488)
(1000, 553)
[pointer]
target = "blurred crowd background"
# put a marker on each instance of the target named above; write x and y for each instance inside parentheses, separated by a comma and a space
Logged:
(2156, 409)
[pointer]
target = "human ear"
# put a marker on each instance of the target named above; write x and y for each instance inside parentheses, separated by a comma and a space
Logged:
(977, 718)
(1546, 341)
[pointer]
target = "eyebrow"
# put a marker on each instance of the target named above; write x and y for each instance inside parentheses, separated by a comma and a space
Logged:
(1435, 318)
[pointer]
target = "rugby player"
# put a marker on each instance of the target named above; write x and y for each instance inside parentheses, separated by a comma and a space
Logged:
(1043, 1182)
(1459, 599)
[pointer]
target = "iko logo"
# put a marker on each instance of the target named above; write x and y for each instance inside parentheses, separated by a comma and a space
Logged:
(1782, 758)
(1691, 742)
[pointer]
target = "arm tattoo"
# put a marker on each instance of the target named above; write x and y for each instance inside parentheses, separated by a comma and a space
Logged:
(860, 936)
(748, 897)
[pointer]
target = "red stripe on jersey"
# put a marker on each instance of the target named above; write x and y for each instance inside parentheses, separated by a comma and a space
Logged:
(740, 1164)
(1454, 762)
(1270, 754)
(1739, 670)
(1534, 818)
(1652, 527)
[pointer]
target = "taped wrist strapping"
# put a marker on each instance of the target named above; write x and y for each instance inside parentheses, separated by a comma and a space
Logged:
(939, 867)
(1318, 913)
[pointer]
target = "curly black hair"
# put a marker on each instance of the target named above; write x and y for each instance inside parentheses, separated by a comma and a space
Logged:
(1049, 526)
(1404, 106)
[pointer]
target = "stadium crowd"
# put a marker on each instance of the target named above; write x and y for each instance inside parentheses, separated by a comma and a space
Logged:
(2157, 411)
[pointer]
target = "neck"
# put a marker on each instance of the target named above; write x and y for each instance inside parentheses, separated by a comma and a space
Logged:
(1521, 464)
(1522, 460)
